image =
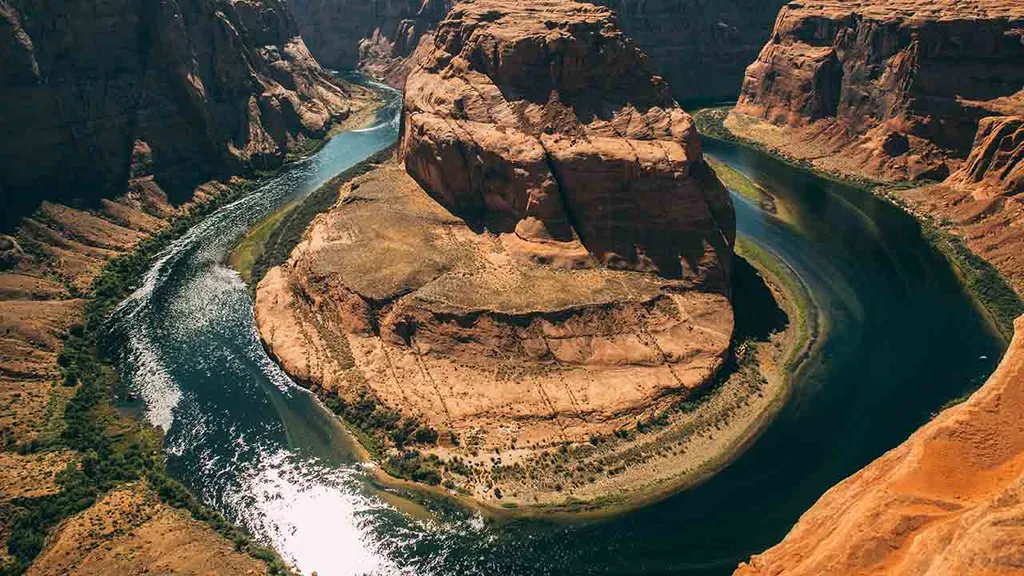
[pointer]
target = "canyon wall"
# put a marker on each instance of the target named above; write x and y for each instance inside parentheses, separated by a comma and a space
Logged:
(205, 88)
(700, 46)
(946, 501)
(545, 262)
(889, 90)
(376, 36)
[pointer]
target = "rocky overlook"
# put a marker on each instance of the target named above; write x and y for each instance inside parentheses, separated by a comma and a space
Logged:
(202, 88)
(946, 501)
(545, 263)
(890, 90)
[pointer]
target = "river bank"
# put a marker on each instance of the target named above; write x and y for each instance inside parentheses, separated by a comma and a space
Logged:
(64, 274)
(996, 299)
(675, 444)
(106, 464)
(272, 458)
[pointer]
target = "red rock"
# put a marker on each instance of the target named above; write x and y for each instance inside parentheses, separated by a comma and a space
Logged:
(542, 122)
(895, 87)
(947, 501)
(208, 87)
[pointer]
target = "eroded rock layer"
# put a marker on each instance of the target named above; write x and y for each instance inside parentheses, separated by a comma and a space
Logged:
(700, 46)
(545, 264)
(542, 122)
(891, 90)
(947, 501)
(376, 36)
(205, 88)
(982, 202)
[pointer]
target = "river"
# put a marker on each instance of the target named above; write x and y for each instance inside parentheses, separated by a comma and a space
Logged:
(900, 339)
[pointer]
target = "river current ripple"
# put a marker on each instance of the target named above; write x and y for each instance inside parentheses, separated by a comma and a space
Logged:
(252, 444)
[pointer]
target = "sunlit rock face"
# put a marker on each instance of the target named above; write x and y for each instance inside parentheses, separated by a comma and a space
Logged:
(204, 87)
(946, 501)
(896, 87)
(542, 122)
(547, 258)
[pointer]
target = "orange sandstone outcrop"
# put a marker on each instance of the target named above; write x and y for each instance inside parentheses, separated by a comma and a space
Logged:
(547, 263)
(891, 90)
(947, 501)
(542, 122)
(983, 201)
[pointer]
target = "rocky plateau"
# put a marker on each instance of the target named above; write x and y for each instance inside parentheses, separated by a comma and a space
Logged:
(557, 257)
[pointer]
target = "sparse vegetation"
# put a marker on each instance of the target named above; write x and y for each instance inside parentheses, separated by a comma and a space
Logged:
(981, 279)
(271, 242)
(114, 449)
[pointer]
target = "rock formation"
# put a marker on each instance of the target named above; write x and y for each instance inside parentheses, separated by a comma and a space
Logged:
(700, 46)
(982, 202)
(547, 264)
(205, 87)
(376, 36)
(555, 134)
(947, 501)
(891, 90)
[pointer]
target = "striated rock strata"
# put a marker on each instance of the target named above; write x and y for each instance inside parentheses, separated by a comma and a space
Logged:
(376, 36)
(546, 263)
(892, 90)
(553, 133)
(205, 88)
(700, 46)
(946, 501)
(983, 201)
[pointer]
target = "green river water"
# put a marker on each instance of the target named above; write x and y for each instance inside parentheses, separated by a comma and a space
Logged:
(900, 338)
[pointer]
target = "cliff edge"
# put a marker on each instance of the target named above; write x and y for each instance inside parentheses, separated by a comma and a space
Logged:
(946, 501)
(545, 264)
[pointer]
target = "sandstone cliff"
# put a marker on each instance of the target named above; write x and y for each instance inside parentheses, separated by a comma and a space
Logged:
(546, 263)
(377, 36)
(982, 202)
(206, 88)
(555, 134)
(700, 46)
(892, 90)
(946, 501)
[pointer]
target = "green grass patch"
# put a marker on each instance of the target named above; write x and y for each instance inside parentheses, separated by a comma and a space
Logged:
(283, 235)
(997, 299)
(253, 244)
(738, 182)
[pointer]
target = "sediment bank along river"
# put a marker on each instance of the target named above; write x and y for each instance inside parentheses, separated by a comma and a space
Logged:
(898, 339)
